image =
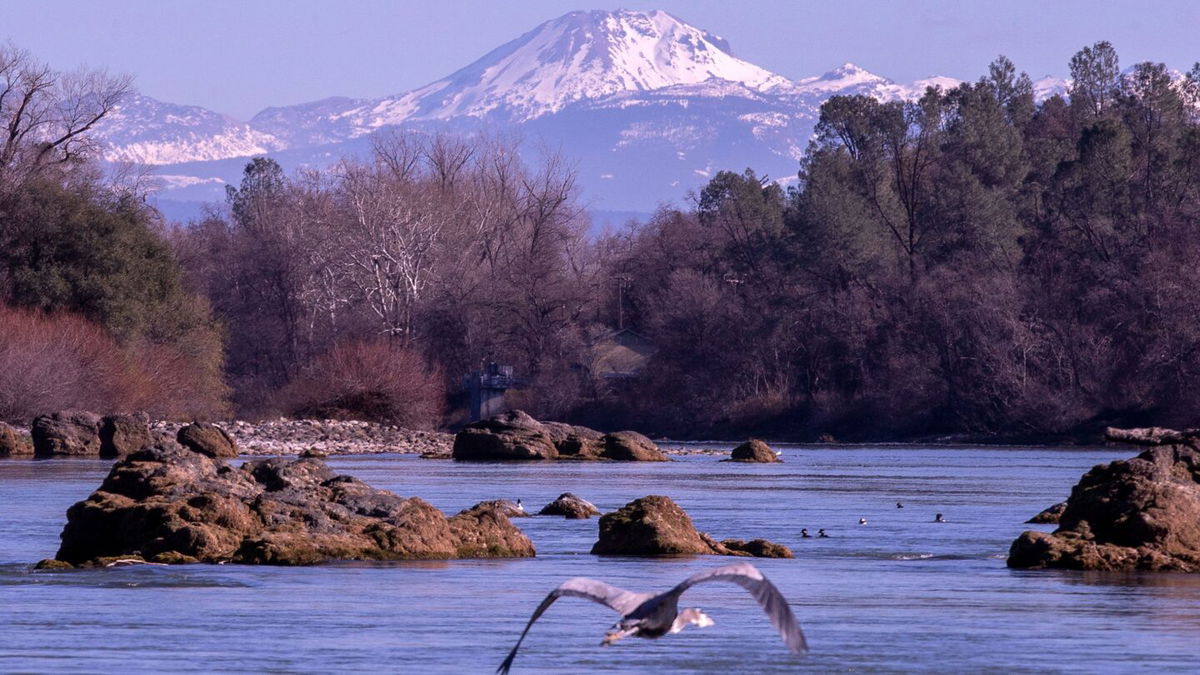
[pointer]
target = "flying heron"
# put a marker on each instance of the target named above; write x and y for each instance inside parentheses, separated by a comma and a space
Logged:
(653, 615)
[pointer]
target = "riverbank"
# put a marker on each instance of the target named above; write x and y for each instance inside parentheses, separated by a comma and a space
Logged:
(289, 437)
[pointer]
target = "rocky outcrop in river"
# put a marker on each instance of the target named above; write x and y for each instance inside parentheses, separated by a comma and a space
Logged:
(207, 439)
(512, 435)
(69, 432)
(1049, 516)
(753, 450)
(164, 503)
(1136, 514)
(656, 525)
(630, 446)
(515, 435)
(123, 434)
(570, 507)
(13, 443)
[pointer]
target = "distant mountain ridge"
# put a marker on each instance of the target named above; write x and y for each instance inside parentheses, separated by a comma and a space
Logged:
(648, 106)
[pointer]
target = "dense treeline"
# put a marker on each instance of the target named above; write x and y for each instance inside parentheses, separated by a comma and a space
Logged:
(973, 261)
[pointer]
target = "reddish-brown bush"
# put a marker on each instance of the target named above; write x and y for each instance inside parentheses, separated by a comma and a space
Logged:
(63, 361)
(373, 381)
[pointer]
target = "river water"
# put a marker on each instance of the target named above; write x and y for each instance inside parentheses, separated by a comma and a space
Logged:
(901, 593)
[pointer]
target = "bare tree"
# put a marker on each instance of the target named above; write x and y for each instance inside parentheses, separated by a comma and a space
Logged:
(391, 228)
(45, 116)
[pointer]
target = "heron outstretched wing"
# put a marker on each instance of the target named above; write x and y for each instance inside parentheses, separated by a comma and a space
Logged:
(618, 599)
(769, 598)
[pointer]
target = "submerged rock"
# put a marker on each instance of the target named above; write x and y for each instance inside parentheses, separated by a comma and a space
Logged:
(123, 434)
(1136, 514)
(70, 432)
(207, 439)
(166, 504)
(1049, 516)
(13, 443)
(570, 506)
(753, 450)
(758, 548)
(656, 525)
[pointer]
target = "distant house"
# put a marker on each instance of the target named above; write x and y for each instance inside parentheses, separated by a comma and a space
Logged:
(620, 354)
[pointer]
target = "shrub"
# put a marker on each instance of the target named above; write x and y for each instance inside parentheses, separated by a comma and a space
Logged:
(373, 381)
(63, 361)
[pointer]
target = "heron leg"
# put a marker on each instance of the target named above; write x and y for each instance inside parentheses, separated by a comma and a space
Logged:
(618, 633)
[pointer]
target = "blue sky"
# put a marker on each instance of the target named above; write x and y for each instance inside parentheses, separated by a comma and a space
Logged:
(238, 57)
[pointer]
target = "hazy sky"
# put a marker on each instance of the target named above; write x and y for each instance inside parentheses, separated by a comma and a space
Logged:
(239, 56)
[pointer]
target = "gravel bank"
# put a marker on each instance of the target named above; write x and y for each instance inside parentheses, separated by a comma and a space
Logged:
(331, 437)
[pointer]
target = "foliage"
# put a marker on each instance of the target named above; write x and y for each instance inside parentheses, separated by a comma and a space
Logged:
(63, 361)
(970, 261)
(451, 246)
(375, 381)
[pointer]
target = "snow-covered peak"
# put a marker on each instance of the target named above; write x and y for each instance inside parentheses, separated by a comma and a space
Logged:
(582, 55)
(916, 89)
(845, 76)
(1048, 86)
(849, 79)
(145, 130)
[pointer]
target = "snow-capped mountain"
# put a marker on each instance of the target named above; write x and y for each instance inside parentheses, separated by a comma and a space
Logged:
(143, 130)
(585, 55)
(647, 105)
(576, 57)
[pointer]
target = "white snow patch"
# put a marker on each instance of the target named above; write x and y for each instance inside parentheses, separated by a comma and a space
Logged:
(174, 181)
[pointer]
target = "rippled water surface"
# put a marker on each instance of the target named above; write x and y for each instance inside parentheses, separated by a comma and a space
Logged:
(901, 593)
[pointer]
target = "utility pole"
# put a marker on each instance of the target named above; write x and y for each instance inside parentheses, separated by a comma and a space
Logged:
(622, 282)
